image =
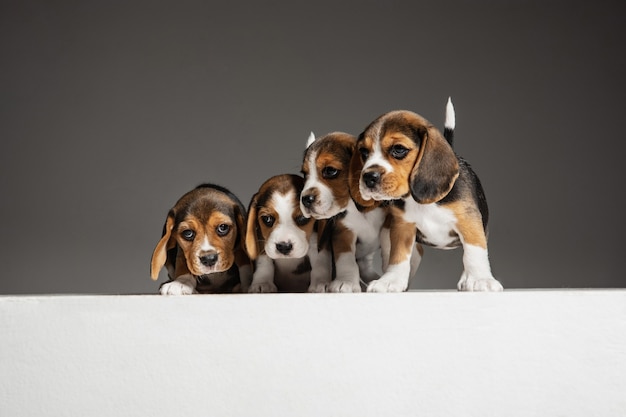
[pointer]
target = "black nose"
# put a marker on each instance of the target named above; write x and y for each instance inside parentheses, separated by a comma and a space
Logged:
(209, 260)
(371, 178)
(284, 247)
(308, 200)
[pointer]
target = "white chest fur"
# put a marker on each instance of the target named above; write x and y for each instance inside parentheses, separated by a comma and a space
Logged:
(366, 226)
(437, 224)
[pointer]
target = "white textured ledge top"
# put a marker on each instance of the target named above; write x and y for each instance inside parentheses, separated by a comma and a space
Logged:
(431, 353)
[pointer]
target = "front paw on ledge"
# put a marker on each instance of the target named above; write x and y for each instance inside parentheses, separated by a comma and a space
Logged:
(176, 288)
(469, 283)
(263, 287)
(339, 285)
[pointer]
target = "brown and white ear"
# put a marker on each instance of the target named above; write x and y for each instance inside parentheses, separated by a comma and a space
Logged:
(310, 140)
(159, 256)
(251, 230)
(436, 168)
(240, 220)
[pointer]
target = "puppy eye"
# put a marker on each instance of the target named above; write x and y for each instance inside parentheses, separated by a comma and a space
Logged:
(268, 220)
(398, 151)
(330, 173)
(364, 153)
(301, 220)
(188, 235)
(222, 229)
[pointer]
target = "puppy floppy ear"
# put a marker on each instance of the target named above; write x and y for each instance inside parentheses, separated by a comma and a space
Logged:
(240, 220)
(167, 242)
(436, 167)
(251, 239)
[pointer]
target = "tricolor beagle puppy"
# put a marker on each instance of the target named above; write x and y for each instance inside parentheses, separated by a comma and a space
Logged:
(355, 230)
(202, 245)
(435, 197)
(283, 242)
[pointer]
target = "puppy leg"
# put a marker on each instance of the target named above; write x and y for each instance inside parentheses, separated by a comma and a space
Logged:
(477, 274)
(263, 277)
(385, 248)
(321, 266)
(245, 270)
(400, 247)
(416, 259)
(366, 268)
(347, 269)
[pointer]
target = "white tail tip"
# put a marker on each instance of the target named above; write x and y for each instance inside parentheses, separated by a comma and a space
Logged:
(450, 122)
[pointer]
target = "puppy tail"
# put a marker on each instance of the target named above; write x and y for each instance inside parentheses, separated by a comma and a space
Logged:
(450, 123)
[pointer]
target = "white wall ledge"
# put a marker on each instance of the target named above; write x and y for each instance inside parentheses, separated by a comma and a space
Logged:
(517, 353)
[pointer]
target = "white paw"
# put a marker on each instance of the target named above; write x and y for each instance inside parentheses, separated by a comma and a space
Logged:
(176, 288)
(319, 287)
(262, 287)
(339, 285)
(468, 283)
(385, 286)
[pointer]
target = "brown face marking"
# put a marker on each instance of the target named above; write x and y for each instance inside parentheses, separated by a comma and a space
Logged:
(263, 217)
(332, 155)
(206, 213)
(215, 229)
(395, 183)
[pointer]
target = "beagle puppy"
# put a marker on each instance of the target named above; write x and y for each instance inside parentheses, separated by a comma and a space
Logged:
(202, 245)
(434, 197)
(283, 242)
(354, 229)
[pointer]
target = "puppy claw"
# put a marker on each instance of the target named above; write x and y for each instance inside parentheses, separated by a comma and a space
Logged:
(479, 284)
(385, 286)
(388, 284)
(318, 288)
(176, 288)
(344, 286)
(263, 287)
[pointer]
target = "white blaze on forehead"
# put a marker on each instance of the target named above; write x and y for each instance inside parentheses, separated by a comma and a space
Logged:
(206, 245)
(286, 229)
(377, 157)
(283, 204)
(312, 174)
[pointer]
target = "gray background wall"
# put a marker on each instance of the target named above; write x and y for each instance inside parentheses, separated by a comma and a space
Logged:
(112, 110)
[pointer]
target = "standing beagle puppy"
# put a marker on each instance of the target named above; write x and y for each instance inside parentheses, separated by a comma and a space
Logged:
(283, 242)
(202, 244)
(435, 197)
(354, 229)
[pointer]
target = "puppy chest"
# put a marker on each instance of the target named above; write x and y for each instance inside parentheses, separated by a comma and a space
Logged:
(436, 226)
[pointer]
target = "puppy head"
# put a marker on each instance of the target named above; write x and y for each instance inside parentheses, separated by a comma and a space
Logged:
(207, 224)
(276, 225)
(326, 166)
(402, 153)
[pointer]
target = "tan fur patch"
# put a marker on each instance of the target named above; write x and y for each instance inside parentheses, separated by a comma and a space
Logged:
(402, 235)
(395, 183)
(343, 239)
(469, 223)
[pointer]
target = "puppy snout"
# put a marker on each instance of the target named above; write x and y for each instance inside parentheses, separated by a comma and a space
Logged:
(209, 259)
(284, 247)
(308, 200)
(371, 178)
